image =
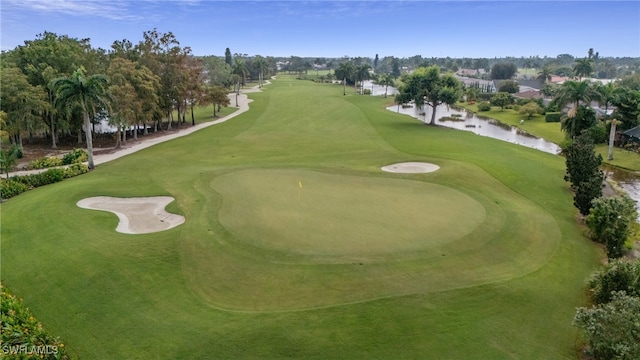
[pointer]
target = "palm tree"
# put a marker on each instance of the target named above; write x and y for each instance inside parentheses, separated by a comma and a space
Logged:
(612, 137)
(87, 92)
(261, 64)
(240, 69)
(386, 80)
(344, 72)
(544, 74)
(575, 92)
(606, 95)
(362, 74)
(583, 67)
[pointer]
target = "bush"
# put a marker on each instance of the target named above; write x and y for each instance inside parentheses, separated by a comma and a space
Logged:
(610, 221)
(613, 328)
(619, 275)
(598, 133)
(367, 91)
(45, 162)
(44, 178)
(10, 188)
(553, 117)
(75, 156)
(484, 96)
(484, 106)
(75, 170)
(23, 334)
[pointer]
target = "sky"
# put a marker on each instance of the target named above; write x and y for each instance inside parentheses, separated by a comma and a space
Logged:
(332, 29)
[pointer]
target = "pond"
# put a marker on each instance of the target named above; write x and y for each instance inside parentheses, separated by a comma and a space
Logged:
(378, 90)
(629, 182)
(465, 120)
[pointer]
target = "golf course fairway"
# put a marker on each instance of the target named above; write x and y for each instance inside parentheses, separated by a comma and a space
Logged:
(297, 245)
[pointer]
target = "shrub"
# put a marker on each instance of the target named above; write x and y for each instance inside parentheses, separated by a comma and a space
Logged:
(610, 222)
(485, 96)
(619, 275)
(10, 188)
(75, 156)
(75, 170)
(613, 328)
(484, 106)
(552, 116)
(22, 333)
(45, 162)
(598, 133)
(367, 91)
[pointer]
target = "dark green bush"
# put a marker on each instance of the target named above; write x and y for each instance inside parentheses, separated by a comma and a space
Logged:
(598, 133)
(552, 117)
(75, 156)
(484, 96)
(484, 106)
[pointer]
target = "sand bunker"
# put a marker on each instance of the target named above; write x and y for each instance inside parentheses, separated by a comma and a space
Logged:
(141, 215)
(411, 168)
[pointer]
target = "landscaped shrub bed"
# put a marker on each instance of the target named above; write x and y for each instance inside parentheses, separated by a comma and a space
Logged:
(16, 185)
(24, 337)
(74, 157)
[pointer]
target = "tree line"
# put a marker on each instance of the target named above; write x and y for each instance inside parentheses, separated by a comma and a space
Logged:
(57, 86)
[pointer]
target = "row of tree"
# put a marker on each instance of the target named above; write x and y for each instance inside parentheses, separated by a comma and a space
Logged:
(56, 85)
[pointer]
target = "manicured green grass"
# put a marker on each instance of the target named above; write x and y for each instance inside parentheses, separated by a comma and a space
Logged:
(297, 245)
(621, 158)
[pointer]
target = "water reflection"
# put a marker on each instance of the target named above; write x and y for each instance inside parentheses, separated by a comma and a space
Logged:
(465, 120)
(629, 182)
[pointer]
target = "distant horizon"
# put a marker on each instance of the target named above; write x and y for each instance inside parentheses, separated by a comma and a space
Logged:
(337, 29)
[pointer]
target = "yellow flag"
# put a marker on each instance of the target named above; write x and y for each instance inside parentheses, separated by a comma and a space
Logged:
(300, 184)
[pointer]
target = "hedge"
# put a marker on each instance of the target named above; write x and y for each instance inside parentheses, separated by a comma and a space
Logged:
(552, 117)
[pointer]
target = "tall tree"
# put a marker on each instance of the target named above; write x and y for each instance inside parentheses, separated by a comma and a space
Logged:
(86, 91)
(503, 71)
(583, 68)
(578, 120)
(47, 57)
(575, 93)
(345, 71)
(22, 102)
(386, 80)
(227, 57)
(362, 74)
(583, 172)
(426, 86)
(262, 65)
(134, 90)
(544, 74)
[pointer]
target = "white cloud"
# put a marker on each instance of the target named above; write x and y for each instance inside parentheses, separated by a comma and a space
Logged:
(114, 10)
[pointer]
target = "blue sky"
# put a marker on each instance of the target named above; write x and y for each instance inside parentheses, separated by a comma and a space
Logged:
(340, 28)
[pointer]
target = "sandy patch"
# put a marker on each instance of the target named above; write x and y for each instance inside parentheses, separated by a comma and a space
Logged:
(141, 215)
(411, 168)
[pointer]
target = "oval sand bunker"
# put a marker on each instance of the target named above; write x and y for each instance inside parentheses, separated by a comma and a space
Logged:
(411, 168)
(139, 215)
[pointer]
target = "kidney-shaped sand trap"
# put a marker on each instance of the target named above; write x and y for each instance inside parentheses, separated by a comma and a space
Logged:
(411, 167)
(139, 215)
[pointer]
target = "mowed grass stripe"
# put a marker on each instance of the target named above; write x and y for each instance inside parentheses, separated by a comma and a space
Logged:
(153, 296)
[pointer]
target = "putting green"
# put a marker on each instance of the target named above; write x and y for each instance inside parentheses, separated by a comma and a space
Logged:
(312, 213)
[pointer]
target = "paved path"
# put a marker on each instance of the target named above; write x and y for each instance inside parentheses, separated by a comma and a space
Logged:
(142, 143)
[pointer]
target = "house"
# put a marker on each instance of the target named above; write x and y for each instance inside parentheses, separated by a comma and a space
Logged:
(528, 94)
(631, 136)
